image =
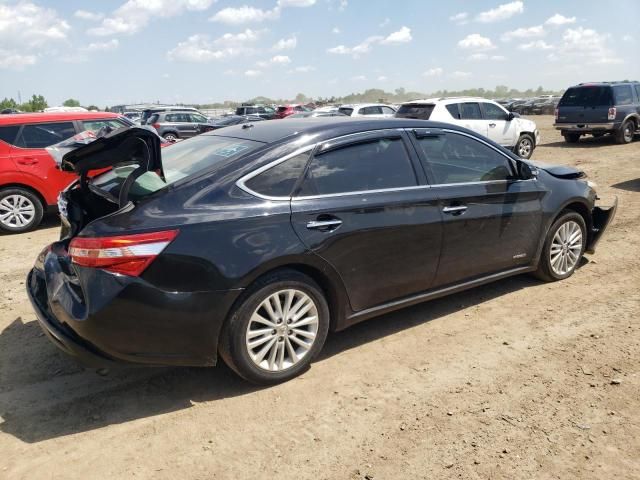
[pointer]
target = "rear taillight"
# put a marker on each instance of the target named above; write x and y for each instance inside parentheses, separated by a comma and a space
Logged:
(124, 254)
(612, 114)
(556, 113)
(156, 126)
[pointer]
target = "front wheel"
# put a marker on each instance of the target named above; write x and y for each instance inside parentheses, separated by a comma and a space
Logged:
(20, 210)
(277, 330)
(525, 146)
(563, 247)
(170, 137)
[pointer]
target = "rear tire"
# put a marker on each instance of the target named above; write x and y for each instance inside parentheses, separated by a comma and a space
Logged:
(563, 247)
(20, 210)
(571, 137)
(625, 134)
(260, 340)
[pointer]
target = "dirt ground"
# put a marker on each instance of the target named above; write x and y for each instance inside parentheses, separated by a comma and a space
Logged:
(515, 380)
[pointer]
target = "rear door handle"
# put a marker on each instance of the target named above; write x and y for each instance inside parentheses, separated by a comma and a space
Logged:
(324, 225)
(492, 125)
(27, 161)
(455, 210)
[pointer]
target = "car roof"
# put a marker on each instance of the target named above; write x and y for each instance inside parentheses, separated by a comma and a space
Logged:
(435, 100)
(20, 118)
(320, 128)
(605, 84)
(360, 105)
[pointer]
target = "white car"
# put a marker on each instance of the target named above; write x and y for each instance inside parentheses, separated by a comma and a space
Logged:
(484, 116)
(374, 110)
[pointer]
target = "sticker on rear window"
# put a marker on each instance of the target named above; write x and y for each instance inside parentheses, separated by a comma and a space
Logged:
(230, 150)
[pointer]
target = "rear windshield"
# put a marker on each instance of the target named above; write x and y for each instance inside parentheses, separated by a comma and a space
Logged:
(420, 111)
(346, 110)
(587, 96)
(282, 109)
(179, 160)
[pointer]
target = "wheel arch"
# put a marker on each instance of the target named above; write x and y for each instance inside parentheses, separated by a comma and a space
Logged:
(31, 189)
(583, 210)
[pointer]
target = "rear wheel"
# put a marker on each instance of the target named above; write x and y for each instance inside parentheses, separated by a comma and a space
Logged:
(571, 137)
(525, 146)
(277, 330)
(20, 210)
(563, 247)
(625, 134)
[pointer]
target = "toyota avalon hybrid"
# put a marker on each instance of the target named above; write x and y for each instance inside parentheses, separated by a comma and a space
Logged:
(253, 242)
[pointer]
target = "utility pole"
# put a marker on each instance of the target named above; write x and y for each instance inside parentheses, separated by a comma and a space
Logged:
(19, 98)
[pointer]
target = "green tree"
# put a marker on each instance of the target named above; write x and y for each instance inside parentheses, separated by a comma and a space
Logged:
(8, 103)
(92, 107)
(71, 102)
(36, 104)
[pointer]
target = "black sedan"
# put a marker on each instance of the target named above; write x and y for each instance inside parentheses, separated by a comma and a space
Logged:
(255, 241)
(228, 121)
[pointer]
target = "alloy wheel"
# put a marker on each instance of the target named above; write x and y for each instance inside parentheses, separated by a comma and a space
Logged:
(524, 147)
(282, 330)
(628, 132)
(16, 211)
(566, 248)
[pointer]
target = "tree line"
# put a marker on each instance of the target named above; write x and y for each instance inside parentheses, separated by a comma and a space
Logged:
(37, 103)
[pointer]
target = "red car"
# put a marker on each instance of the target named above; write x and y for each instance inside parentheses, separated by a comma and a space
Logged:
(286, 110)
(29, 179)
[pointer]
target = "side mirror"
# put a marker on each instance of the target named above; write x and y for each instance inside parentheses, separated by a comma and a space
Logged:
(526, 171)
(510, 116)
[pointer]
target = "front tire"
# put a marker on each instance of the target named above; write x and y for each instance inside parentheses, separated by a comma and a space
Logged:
(20, 210)
(170, 137)
(563, 247)
(277, 329)
(525, 146)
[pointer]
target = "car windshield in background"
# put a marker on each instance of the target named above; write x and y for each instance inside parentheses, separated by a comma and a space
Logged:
(179, 161)
(587, 97)
(419, 111)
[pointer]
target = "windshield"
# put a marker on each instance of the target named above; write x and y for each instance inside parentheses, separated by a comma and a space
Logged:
(179, 160)
(591, 96)
(420, 111)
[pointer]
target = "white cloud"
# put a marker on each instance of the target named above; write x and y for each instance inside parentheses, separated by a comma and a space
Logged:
(296, 3)
(134, 15)
(303, 69)
(102, 46)
(86, 15)
(401, 36)
(433, 72)
(628, 38)
(558, 19)
(382, 78)
(460, 74)
(396, 38)
(252, 73)
(166, 75)
(535, 45)
(461, 18)
(15, 61)
(501, 12)
(200, 48)
(478, 57)
(277, 60)
(585, 44)
(286, 43)
(244, 14)
(477, 42)
(335, 30)
(529, 32)
(359, 78)
(28, 31)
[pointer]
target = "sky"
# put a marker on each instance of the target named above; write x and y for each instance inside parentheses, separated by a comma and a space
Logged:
(202, 51)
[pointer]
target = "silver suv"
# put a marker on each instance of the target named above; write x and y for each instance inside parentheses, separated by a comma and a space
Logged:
(176, 125)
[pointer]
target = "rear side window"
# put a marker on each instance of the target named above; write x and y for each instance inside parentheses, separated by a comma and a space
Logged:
(453, 110)
(638, 92)
(415, 110)
(96, 125)
(371, 111)
(623, 94)
(279, 181)
(586, 97)
(454, 158)
(8, 134)
(282, 109)
(470, 111)
(346, 110)
(42, 135)
(373, 165)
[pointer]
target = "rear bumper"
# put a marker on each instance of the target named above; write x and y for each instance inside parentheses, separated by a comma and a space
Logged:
(112, 319)
(601, 217)
(586, 127)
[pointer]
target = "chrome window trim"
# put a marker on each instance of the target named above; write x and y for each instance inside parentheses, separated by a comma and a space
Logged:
(360, 192)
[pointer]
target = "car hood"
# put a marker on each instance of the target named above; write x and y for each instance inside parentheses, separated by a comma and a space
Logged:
(559, 171)
(127, 145)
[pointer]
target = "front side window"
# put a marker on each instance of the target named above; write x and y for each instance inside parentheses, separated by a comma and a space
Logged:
(623, 94)
(638, 92)
(278, 181)
(470, 111)
(197, 118)
(42, 135)
(493, 112)
(455, 158)
(373, 165)
(371, 111)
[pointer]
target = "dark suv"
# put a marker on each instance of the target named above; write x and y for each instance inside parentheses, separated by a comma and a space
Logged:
(598, 109)
(173, 125)
(268, 113)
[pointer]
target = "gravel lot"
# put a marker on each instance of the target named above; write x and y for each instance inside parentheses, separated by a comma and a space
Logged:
(518, 379)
